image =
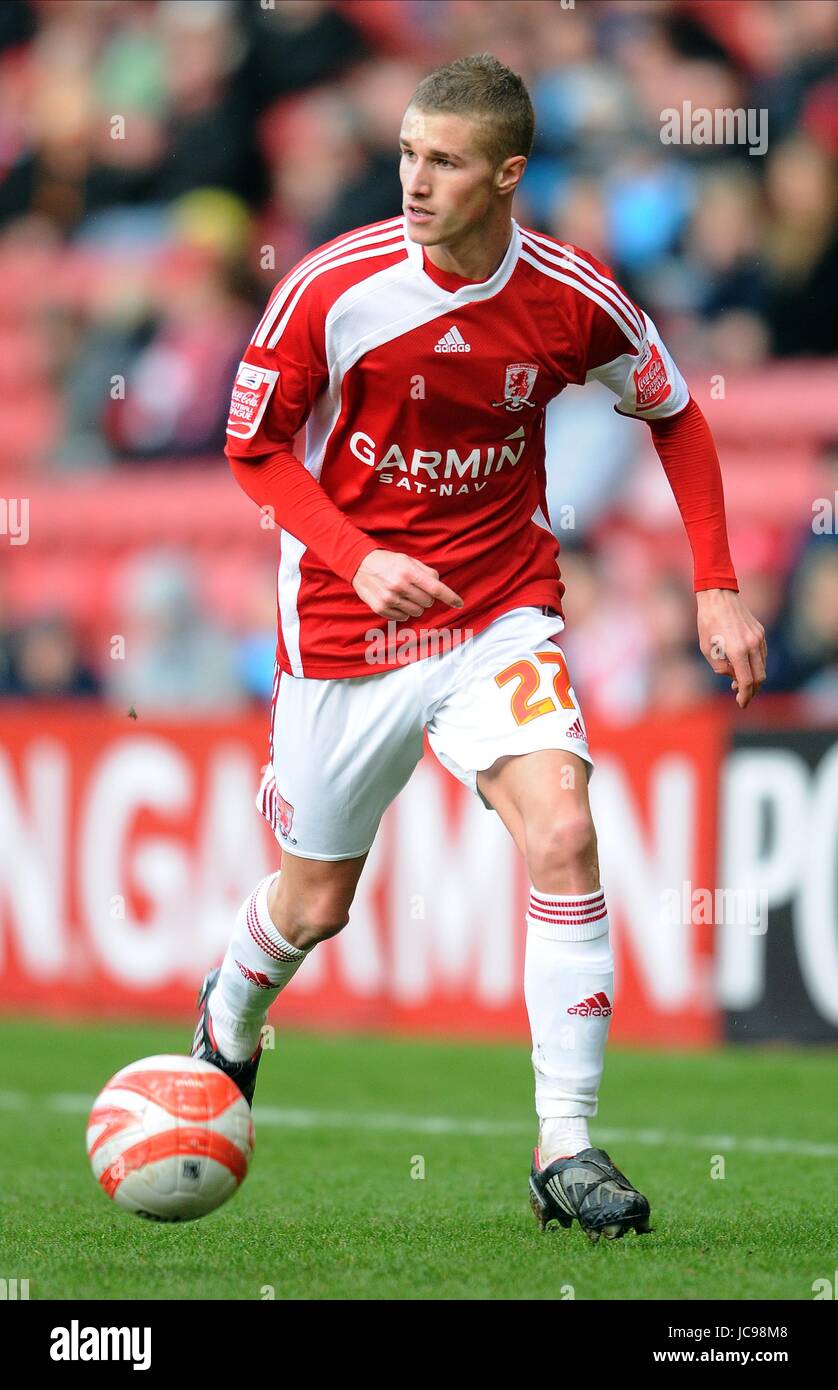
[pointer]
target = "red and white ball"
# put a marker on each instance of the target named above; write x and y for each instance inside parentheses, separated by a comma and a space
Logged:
(170, 1138)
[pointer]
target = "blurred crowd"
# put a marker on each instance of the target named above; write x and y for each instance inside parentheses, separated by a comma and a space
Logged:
(164, 162)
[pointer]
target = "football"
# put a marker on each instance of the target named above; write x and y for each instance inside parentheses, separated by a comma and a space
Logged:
(170, 1138)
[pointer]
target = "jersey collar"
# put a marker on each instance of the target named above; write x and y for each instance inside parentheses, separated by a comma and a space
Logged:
(470, 290)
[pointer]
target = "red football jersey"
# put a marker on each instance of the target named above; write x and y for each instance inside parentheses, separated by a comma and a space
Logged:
(423, 396)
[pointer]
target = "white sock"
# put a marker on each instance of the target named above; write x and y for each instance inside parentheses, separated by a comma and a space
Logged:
(562, 1138)
(258, 965)
(568, 987)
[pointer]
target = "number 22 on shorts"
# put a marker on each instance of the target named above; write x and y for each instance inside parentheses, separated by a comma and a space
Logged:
(528, 676)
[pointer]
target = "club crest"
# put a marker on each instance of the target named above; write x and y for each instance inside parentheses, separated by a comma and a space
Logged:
(518, 386)
(285, 817)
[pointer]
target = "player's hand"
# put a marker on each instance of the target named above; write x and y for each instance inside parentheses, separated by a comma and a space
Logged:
(732, 641)
(397, 586)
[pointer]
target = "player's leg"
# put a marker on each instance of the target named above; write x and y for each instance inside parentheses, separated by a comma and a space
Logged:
(511, 729)
(287, 914)
(542, 797)
(508, 727)
(341, 750)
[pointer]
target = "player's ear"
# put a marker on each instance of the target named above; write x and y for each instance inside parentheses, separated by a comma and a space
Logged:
(510, 173)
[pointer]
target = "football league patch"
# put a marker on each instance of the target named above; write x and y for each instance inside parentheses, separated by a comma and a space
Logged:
(651, 383)
(285, 816)
(251, 392)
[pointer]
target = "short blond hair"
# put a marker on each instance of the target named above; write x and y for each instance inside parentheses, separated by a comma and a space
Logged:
(482, 86)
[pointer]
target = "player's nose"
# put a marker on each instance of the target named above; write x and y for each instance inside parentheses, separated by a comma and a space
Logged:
(417, 184)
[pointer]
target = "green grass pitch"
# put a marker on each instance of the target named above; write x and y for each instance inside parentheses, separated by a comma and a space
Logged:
(331, 1209)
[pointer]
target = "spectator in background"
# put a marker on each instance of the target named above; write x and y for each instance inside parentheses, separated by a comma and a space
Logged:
(677, 677)
(606, 639)
(634, 653)
(762, 564)
(590, 451)
(176, 658)
(68, 157)
(313, 154)
(721, 276)
(6, 672)
(803, 637)
(296, 45)
(257, 643)
(97, 339)
(802, 249)
(210, 141)
(177, 387)
(376, 100)
(45, 663)
(806, 658)
(821, 623)
(163, 327)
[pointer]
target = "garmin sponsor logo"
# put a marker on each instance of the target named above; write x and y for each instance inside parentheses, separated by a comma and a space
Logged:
(433, 467)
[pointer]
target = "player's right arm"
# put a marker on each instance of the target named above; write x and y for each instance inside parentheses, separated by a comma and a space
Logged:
(397, 586)
(283, 372)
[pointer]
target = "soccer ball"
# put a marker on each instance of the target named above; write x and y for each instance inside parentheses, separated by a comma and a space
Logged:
(170, 1138)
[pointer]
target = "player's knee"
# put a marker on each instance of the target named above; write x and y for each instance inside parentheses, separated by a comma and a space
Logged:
(560, 853)
(314, 917)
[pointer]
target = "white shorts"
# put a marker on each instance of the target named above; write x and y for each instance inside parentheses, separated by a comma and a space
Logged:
(341, 750)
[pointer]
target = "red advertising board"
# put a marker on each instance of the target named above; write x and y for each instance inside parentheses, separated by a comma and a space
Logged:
(127, 846)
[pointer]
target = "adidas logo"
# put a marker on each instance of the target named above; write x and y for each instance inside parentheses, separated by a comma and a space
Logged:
(452, 341)
(557, 1192)
(595, 1006)
(255, 976)
(576, 731)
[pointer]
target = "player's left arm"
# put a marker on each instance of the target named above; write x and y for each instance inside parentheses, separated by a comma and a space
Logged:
(731, 639)
(625, 352)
